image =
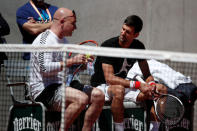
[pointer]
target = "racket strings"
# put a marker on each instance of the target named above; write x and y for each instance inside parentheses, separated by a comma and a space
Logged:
(169, 109)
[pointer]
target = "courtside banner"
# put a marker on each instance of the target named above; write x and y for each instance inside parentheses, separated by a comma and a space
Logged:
(134, 119)
(27, 117)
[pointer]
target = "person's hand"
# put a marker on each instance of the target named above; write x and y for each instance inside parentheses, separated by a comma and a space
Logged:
(146, 89)
(82, 59)
(79, 59)
(159, 89)
(89, 58)
(153, 88)
(31, 20)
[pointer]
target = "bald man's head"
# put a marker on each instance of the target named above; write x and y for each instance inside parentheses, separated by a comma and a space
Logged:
(64, 22)
(63, 13)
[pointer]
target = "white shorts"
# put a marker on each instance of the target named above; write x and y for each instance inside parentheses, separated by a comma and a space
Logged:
(130, 94)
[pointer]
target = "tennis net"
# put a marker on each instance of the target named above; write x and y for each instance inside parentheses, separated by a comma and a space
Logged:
(16, 70)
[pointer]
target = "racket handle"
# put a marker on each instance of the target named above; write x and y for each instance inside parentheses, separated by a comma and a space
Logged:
(139, 78)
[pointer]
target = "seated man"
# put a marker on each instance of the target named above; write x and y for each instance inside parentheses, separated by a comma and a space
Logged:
(110, 73)
(176, 83)
(47, 74)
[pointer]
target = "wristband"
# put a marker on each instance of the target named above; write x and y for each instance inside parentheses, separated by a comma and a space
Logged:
(135, 84)
(152, 83)
(132, 84)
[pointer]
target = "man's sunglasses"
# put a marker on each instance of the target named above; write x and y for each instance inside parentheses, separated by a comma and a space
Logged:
(67, 16)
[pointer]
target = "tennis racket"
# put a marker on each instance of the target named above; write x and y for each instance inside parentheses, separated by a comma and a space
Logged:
(168, 108)
(88, 43)
(75, 69)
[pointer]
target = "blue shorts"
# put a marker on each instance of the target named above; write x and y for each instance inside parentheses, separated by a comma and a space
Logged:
(185, 92)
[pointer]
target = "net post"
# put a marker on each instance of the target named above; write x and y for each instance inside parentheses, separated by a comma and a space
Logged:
(63, 93)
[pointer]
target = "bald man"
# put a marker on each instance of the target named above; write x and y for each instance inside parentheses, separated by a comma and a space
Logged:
(47, 75)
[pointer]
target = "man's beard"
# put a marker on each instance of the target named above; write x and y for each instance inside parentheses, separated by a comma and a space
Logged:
(122, 39)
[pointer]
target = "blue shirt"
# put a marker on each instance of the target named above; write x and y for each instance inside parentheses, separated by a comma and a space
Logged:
(22, 16)
(26, 11)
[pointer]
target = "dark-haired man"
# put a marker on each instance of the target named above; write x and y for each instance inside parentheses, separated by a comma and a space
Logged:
(110, 73)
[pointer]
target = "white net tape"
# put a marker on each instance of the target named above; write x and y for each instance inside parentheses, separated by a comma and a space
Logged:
(183, 62)
(104, 51)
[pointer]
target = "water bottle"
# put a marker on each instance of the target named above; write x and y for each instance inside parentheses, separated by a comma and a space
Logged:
(90, 68)
(70, 76)
(69, 79)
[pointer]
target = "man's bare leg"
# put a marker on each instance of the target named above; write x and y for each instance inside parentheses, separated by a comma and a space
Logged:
(117, 108)
(117, 92)
(97, 100)
(76, 101)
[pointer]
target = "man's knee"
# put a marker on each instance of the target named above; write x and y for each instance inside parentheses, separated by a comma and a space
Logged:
(76, 96)
(83, 100)
(118, 92)
(97, 95)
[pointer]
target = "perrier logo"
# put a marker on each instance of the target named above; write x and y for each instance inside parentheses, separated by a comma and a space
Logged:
(30, 122)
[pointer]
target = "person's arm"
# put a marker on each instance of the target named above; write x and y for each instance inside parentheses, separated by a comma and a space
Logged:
(111, 79)
(145, 71)
(47, 66)
(27, 22)
(4, 27)
(36, 28)
(78, 59)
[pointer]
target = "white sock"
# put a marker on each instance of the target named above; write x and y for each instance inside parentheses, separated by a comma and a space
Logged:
(154, 126)
(119, 126)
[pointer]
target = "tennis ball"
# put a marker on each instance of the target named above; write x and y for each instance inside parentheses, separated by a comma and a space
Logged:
(88, 56)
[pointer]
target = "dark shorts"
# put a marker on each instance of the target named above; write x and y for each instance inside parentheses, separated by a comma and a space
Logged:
(185, 92)
(79, 86)
(47, 94)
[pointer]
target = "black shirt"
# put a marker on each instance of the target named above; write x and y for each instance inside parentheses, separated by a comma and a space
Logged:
(4, 28)
(121, 65)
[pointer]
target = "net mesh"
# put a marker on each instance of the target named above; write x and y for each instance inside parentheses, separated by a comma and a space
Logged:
(15, 70)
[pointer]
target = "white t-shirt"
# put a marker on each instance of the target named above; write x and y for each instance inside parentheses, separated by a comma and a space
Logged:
(161, 73)
(45, 66)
